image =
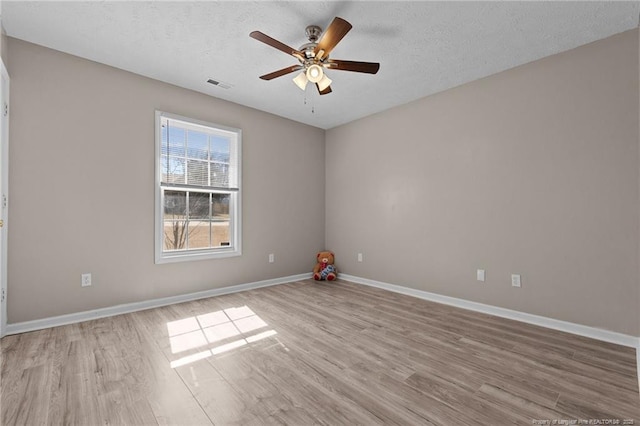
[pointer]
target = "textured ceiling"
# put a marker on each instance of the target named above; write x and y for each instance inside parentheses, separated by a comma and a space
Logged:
(423, 47)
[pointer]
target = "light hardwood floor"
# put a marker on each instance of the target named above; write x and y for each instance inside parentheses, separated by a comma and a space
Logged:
(312, 353)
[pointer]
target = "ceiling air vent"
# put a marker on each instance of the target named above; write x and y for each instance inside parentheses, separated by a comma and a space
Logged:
(220, 84)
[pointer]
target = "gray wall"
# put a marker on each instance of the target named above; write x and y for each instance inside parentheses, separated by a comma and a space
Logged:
(82, 188)
(532, 171)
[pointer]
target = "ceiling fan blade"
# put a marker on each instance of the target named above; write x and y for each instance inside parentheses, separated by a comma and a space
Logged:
(355, 66)
(325, 91)
(280, 73)
(336, 31)
(275, 43)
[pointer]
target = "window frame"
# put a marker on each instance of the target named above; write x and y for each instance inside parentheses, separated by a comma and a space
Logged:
(235, 199)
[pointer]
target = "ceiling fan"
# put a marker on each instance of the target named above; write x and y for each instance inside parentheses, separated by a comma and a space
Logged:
(314, 56)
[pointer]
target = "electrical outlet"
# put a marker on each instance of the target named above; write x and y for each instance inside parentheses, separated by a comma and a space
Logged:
(86, 280)
(480, 275)
(515, 280)
(359, 257)
(272, 258)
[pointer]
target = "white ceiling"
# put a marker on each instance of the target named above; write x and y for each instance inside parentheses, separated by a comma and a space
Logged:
(422, 47)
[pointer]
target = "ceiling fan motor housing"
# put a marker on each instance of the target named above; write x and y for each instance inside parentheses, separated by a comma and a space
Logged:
(308, 49)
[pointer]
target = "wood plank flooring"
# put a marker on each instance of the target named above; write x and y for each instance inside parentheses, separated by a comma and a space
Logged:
(313, 353)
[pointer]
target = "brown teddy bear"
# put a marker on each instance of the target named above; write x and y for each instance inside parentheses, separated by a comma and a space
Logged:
(325, 270)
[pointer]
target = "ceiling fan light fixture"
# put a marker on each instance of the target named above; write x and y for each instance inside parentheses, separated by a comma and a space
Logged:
(301, 80)
(324, 83)
(314, 73)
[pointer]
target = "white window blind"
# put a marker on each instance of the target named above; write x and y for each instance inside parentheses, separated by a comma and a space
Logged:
(198, 156)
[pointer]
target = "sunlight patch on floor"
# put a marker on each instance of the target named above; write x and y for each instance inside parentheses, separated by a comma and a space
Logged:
(214, 328)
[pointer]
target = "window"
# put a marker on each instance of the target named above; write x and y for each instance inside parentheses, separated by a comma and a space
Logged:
(197, 189)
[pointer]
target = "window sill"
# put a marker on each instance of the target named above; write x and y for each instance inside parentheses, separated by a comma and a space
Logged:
(192, 256)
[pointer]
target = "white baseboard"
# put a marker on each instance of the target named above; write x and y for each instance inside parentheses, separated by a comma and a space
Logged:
(23, 327)
(569, 327)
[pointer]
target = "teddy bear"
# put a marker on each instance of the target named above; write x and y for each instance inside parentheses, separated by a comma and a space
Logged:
(324, 269)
